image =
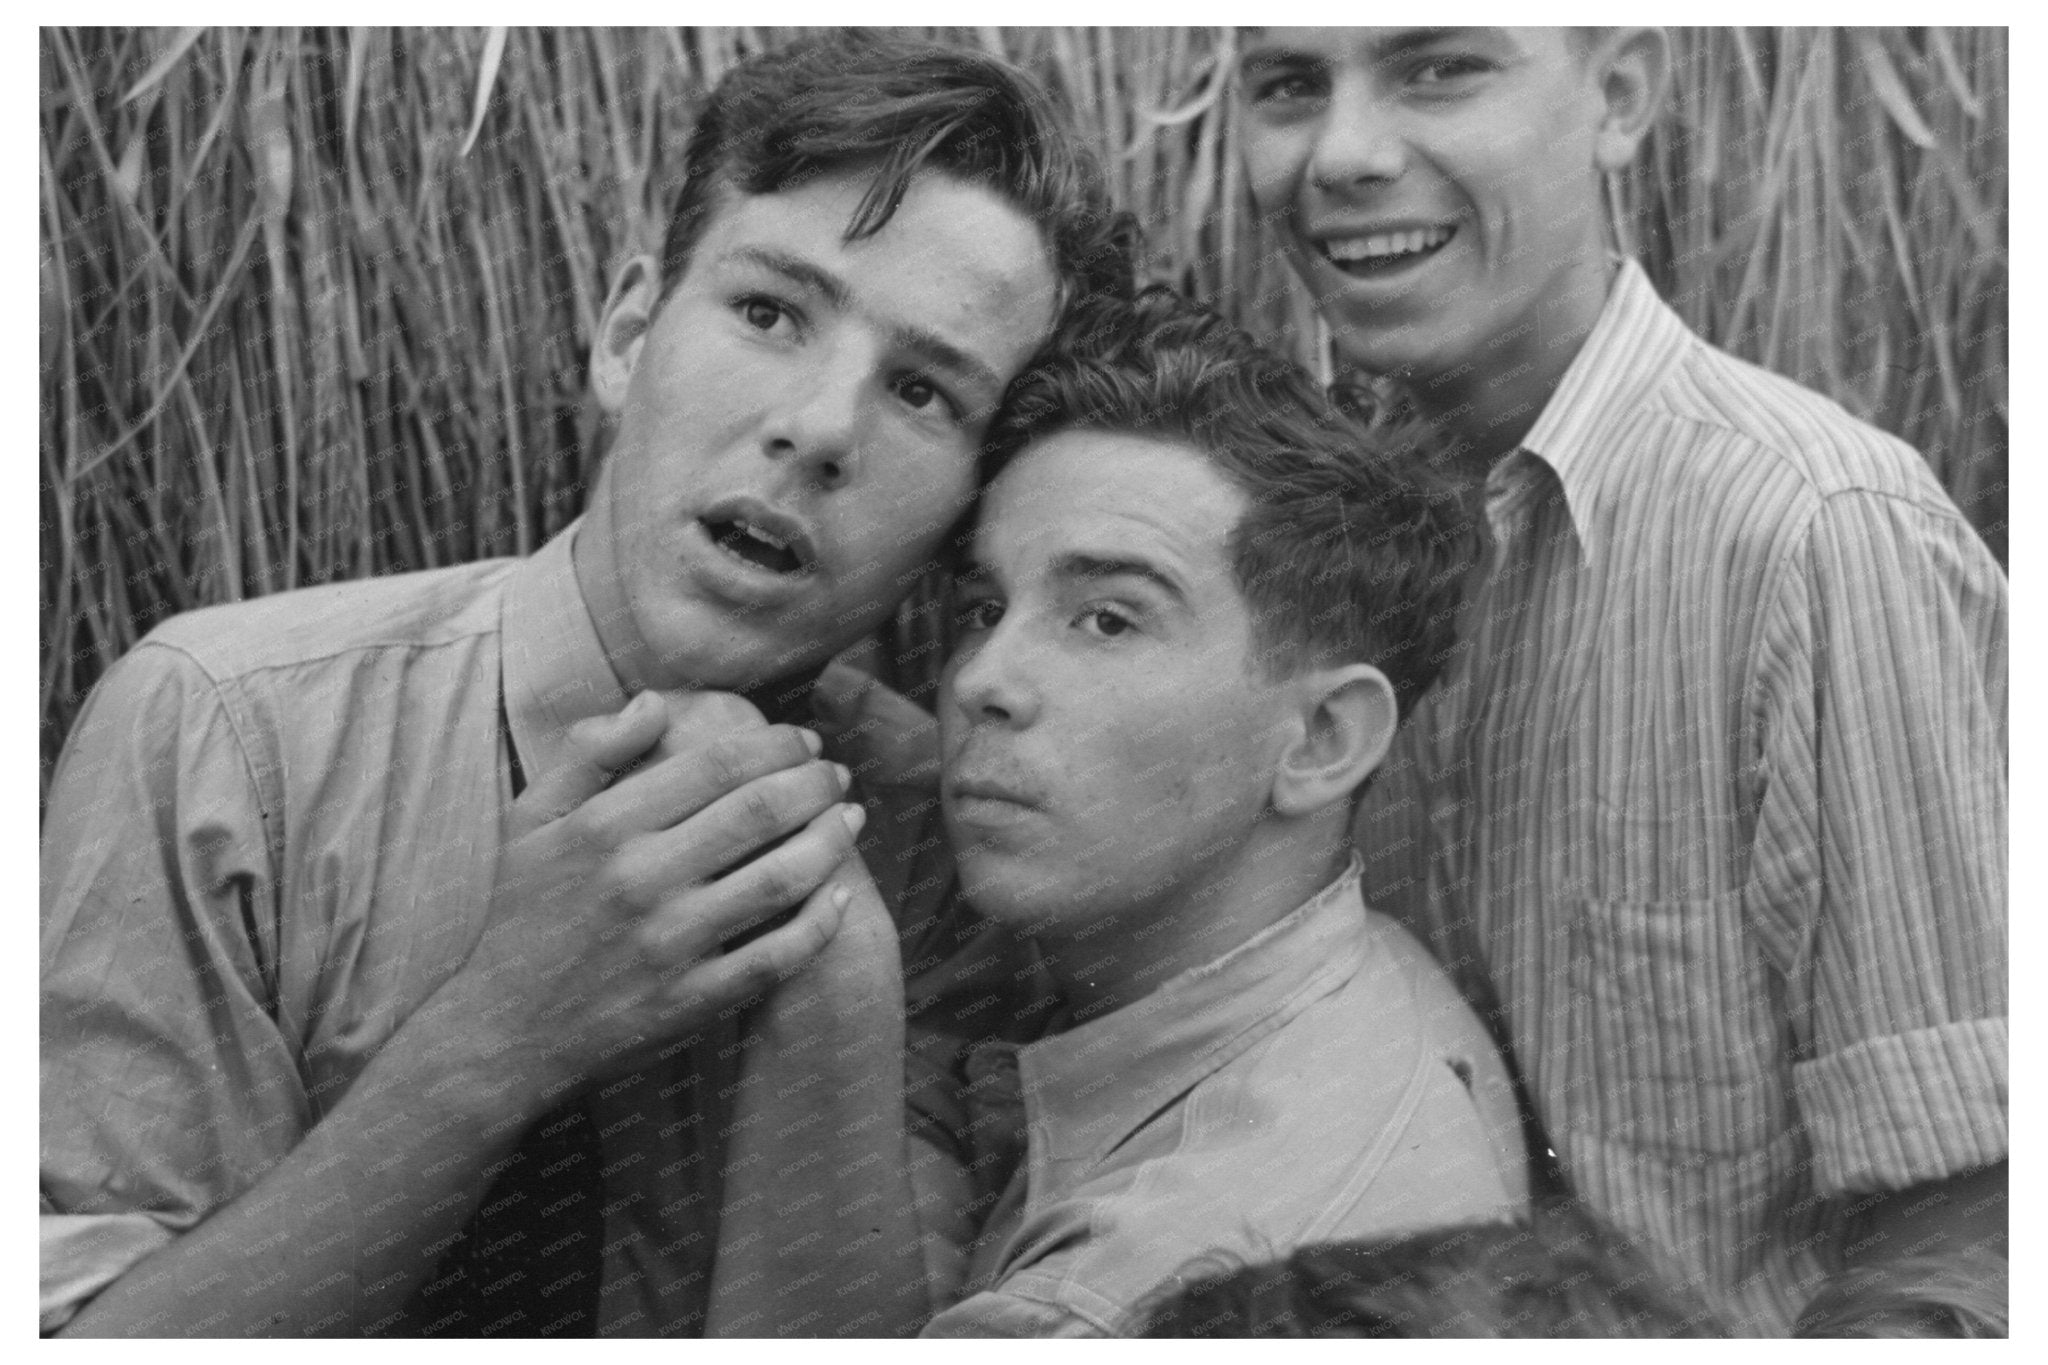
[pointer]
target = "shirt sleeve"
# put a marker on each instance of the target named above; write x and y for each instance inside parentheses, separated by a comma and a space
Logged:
(995, 1313)
(166, 1085)
(1880, 847)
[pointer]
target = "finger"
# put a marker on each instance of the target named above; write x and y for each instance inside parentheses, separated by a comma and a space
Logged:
(769, 960)
(884, 736)
(696, 773)
(697, 718)
(749, 896)
(739, 824)
(836, 696)
(596, 748)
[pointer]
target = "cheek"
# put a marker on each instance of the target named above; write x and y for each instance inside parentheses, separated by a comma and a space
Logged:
(1273, 164)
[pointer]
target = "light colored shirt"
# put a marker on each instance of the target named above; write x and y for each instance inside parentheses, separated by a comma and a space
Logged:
(1322, 1080)
(1713, 796)
(273, 834)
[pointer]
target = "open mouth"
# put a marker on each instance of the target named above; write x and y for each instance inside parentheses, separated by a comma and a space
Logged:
(757, 545)
(1383, 253)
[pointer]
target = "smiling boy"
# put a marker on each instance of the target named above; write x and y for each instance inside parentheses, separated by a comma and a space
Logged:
(1197, 603)
(1712, 799)
(312, 963)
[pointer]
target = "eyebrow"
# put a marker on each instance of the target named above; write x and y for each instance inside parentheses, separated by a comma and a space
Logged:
(935, 349)
(1077, 564)
(1384, 50)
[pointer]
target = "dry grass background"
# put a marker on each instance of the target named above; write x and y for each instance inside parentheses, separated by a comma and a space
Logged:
(315, 303)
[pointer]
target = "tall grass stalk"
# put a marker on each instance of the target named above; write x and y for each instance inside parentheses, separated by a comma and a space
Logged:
(316, 303)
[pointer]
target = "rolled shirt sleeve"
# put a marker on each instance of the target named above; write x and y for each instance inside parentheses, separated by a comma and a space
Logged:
(166, 1086)
(1881, 843)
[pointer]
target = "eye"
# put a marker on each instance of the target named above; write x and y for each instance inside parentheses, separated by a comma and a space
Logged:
(916, 391)
(1283, 87)
(980, 614)
(1106, 622)
(1444, 70)
(763, 313)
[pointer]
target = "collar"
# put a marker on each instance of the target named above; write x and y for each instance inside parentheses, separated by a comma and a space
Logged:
(555, 670)
(1626, 356)
(1088, 1089)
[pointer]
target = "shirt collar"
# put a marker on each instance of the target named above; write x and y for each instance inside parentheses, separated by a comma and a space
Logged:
(1089, 1088)
(1630, 349)
(556, 672)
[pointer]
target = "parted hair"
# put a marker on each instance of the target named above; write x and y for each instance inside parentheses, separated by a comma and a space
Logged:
(858, 100)
(1352, 546)
(1560, 1274)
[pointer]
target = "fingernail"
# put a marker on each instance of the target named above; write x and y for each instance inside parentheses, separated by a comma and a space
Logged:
(811, 741)
(841, 897)
(854, 817)
(845, 777)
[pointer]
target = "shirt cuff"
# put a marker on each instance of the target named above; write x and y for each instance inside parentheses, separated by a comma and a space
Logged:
(1892, 1112)
(82, 1254)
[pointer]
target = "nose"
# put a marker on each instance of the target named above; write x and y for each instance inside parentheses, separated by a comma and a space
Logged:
(989, 681)
(817, 422)
(1360, 141)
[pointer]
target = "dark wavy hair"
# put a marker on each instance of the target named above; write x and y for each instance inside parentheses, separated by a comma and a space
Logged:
(1352, 546)
(858, 100)
(1561, 1274)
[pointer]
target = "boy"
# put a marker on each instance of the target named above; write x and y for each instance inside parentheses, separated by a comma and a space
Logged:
(1713, 797)
(310, 969)
(1197, 603)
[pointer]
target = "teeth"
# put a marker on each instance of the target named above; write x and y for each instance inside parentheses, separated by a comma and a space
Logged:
(1383, 244)
(765, 537)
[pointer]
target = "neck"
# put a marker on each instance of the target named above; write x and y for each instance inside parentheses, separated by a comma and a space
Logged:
(785, 699)
(1121, 956)
(1489, 403)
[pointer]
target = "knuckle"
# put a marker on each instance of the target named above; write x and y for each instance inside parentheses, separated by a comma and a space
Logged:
(762, 809)
(726, 759)
(628, 873)
(587, 827)
(723, 712)
(780, 882)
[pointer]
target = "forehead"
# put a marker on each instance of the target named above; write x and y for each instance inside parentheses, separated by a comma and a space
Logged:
(1383, 44)
(1109, 495)
(954, 256)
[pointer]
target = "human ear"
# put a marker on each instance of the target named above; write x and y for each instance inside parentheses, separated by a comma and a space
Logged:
(628, 313)
(1633, 66)
(1347, 723)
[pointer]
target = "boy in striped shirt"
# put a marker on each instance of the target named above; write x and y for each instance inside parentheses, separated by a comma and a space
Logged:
(1711, 800)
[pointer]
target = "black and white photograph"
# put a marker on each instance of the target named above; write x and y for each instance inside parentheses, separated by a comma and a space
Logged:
(1105, 682)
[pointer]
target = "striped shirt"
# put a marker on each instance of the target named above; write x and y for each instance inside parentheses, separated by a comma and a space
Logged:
(1712, 797)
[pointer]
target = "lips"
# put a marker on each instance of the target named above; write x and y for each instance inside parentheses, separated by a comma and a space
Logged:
(1365, 252)
(994, 807)
(763, 537)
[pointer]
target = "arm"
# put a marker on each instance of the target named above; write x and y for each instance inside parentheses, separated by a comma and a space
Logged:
(826, 1244)
(1881, 846)
(1961, 1213)
(602, 944)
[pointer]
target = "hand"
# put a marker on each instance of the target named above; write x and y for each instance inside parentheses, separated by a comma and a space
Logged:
(619, 884)
(888, 739)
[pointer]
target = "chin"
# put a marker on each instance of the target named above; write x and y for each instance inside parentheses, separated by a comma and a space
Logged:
(1014, 894)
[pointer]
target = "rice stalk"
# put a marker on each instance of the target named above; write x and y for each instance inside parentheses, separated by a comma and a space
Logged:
(317, 303)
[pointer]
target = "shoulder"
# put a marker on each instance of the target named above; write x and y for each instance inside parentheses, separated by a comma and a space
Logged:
(309, 625)
(1762, 423)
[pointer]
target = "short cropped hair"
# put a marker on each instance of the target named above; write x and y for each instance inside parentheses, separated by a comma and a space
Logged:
(858, 100)
(1352, 546)
(1561, 1274)
(1962, 1294)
